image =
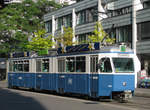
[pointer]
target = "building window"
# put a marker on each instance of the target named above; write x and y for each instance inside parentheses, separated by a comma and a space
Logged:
(81, 19)
(59, 23)
(146, 4)
(83, 38)
(125, 34)
(121, 11)
(48, 26)
(67, 21)
(143, 31)
(87, 16)
(111, 33)
(79, 0)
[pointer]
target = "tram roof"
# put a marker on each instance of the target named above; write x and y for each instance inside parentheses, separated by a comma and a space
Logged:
(78, 50)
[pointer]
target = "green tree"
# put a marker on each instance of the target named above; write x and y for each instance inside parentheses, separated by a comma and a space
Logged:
(40, 42)
(18, 21)
(99, 35)
(66, 37)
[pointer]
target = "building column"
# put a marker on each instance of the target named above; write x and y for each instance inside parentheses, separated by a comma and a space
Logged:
(53, 28)
(73, 23)
(117, 35)
(134, 26)
(136, 5)
(101, 12)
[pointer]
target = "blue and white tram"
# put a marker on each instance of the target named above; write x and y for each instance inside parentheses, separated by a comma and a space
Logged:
(105, 72)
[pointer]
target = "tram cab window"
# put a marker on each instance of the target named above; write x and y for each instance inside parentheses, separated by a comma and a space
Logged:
(105, 65)
(123, 65)
(45, 65)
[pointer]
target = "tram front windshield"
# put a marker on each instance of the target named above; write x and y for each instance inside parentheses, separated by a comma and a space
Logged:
(123, 65)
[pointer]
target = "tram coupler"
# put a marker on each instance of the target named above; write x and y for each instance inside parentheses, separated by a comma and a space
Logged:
(125, 96)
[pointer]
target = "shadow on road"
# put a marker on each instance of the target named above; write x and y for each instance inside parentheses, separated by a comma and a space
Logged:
(15, 101)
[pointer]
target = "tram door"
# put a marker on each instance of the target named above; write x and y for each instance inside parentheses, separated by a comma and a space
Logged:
(38, 75)
(94, 75)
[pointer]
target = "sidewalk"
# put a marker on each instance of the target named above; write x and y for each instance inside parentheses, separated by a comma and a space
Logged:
(3, 84)
(142, 92)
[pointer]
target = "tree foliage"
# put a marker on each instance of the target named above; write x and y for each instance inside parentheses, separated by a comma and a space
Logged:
(18, 21)
(40, 42)
(99, 35)
(66, 38)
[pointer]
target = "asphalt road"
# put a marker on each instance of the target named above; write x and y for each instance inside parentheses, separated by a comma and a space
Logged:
(11, 99)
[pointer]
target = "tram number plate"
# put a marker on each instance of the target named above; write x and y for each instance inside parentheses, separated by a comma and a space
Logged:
(95, 77)
(39, 76)
(20, 78)
(62, 76)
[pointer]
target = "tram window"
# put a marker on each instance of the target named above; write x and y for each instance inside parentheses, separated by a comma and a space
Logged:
(61, 65)
(80, 64)
(20, 66)
(10, 66)
(94, 64)
(15, 66)
(26, 66)
(105, 65)
(38, 65)
(45, 65)
(70, 64)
